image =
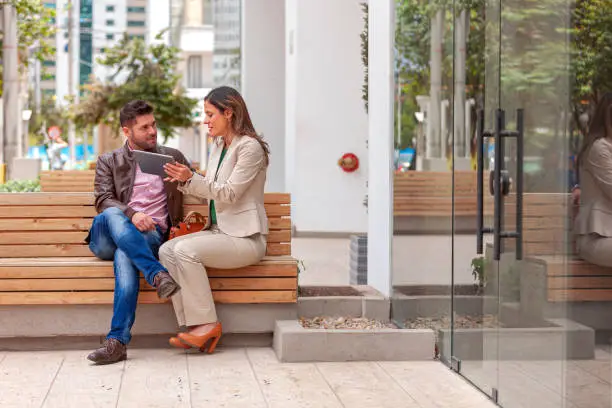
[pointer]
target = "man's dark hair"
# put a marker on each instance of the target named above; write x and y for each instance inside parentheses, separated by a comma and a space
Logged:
(132, 110)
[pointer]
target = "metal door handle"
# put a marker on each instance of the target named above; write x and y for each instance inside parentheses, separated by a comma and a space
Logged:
(499, 184)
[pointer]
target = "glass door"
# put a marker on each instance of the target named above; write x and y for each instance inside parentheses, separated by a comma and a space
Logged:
(535, 235)
(475, 351)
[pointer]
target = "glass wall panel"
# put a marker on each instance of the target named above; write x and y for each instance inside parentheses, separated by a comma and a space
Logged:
(423, 177)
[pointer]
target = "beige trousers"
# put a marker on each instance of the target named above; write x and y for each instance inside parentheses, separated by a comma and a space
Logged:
(187, 257)
(595, 249)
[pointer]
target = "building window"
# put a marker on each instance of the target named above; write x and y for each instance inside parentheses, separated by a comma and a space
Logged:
(136, 9)
(194, 72)
(135, 23)
(110, 8)
(110, 36)
(48, 63)
(48, 91)
(102, 50)
(140, 36)
(110, 22)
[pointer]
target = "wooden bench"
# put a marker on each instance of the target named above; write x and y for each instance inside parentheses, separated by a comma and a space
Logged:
(67, 181)
(549, 243)
(44, 260)
(430, 194)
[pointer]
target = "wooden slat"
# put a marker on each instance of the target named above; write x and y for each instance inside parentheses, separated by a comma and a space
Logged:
(252, 296)
(78, 237)
(45, 224)
(272, 210)
(61, 173)
(33, 251)
(575, 268)
(32, 211)
(253, 283)
(263, 269)
(42, 237)
(46, 199)
(69, 250)
(85, 198)
(279, 223)
(83, 224)
(104, 284)
(580, 282)
(106, 298)
(580, 295)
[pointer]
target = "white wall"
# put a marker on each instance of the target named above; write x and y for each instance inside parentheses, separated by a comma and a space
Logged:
(326, 117)
(158, 19)
(263, 79)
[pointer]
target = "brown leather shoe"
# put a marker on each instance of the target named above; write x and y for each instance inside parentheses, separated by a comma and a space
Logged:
(165, 285)
(112, 351)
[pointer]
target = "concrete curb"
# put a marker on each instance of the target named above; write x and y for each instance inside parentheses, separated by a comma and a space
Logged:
(293, 343)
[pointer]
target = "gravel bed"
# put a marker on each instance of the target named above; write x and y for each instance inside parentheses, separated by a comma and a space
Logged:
(461, 322)
(359, 323)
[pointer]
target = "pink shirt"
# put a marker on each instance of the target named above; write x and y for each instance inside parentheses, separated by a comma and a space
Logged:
(149, 197)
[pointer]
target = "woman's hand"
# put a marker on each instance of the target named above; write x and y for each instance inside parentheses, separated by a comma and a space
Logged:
(177, 172)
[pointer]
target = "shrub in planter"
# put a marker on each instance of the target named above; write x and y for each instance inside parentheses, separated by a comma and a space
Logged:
(20, 186)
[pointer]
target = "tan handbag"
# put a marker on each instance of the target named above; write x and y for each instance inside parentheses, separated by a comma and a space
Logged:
(193, 222)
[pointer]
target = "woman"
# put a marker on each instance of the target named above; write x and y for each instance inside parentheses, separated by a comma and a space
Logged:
(235, 235)
(593, 225)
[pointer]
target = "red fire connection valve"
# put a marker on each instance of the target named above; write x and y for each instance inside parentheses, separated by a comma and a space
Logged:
(349, 162)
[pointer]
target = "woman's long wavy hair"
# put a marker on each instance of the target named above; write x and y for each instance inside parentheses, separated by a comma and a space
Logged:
(600, 126)
(224, 98)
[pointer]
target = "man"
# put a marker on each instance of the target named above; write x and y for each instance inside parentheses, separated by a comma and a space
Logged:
(135, 210)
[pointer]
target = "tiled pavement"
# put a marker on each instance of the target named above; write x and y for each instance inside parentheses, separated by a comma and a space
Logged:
(231, 377)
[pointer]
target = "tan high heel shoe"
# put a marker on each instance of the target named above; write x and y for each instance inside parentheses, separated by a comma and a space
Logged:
(176, 342)
(200, 342)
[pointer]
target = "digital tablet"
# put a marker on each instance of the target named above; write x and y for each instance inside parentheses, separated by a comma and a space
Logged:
(152, 163)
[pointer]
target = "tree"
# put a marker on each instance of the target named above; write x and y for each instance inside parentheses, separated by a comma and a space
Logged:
(34, 22)
(591, 67)
(138, 72)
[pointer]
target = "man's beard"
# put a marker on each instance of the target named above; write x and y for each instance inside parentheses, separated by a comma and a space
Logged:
(142, 144)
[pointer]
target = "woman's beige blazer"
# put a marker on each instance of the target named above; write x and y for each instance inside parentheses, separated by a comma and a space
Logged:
(237, 187)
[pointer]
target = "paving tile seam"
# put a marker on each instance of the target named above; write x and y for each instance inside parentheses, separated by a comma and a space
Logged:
(188, 379)
(329, 385)
(398, 384)
(123, 369)
(537, 380)
(257, 381)
(61, 364)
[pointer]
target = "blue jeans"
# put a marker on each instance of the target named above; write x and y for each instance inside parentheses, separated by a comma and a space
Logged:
(113, 236)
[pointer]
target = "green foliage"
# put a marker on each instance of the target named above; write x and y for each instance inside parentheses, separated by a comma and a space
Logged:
(20, 186)
(33, 25)
(478, 271)
(591, 67)
(364, 54)
(145, 72)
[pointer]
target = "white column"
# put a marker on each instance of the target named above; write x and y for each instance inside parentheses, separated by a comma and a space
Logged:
(325, 115)
(263, 79)
(380, 181)
(291, 17)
